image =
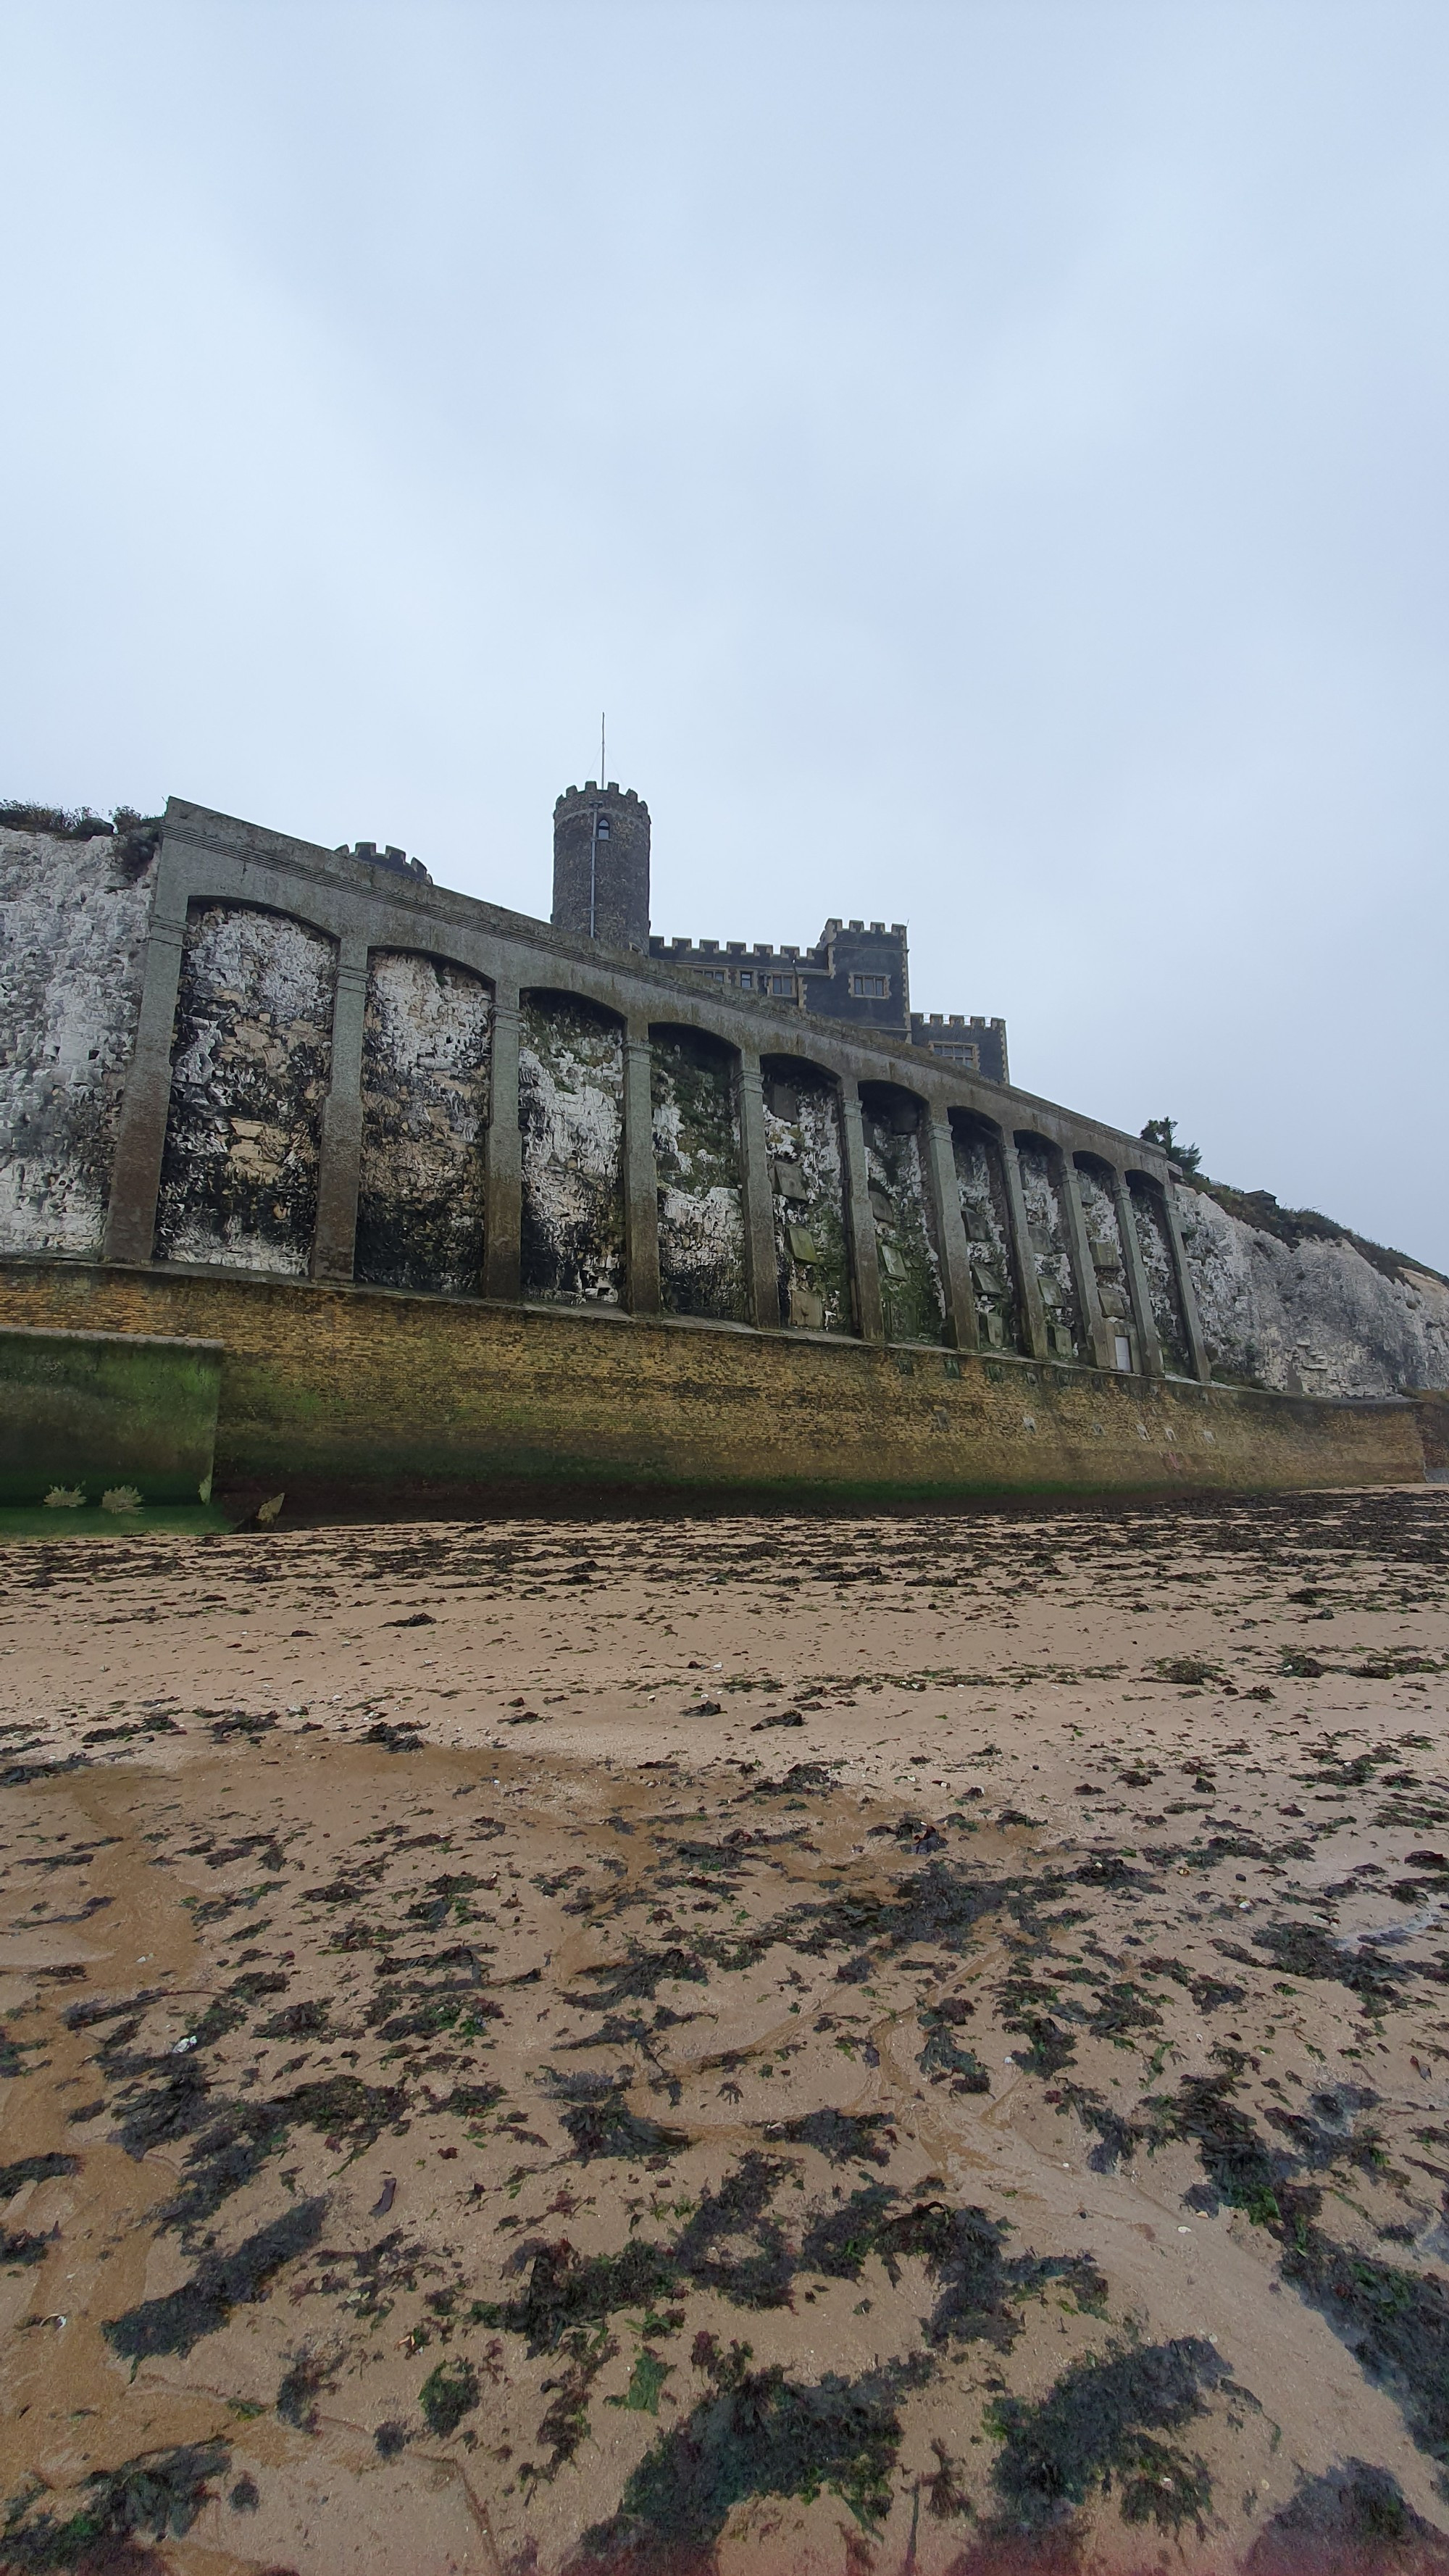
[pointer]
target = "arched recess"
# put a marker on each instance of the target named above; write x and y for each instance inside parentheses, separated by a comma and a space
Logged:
(694, 1092)
(986, 1216)
(1097, 1183)
(571, 1122)
(912, 1297)
(1155, 1245)
(1040, 1164)
(807, 1189)
(251, 1061)
(425, 1076)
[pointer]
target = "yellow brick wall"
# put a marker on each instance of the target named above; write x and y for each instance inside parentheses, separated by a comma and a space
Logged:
(362, 1386)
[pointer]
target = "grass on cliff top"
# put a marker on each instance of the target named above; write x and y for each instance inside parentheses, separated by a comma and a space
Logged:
(1293, 1226)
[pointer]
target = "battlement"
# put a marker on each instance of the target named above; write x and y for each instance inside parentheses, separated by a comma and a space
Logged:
(396, 861)
(591, 787)
(977, 1044)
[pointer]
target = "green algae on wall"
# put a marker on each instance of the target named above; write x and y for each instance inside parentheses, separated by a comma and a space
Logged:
(910, 1269)
(807, 1187)
(697, 1160)
(91, 1413)
(571, 1117)
(982, 1186)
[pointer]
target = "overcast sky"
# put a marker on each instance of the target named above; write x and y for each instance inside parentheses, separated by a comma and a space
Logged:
(989, 460)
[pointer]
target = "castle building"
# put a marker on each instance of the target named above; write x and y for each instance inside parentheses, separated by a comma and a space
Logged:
(855, 972)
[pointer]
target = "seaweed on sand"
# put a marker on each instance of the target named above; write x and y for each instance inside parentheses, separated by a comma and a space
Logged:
(942, 2060)
(1242, 2169)
(242, 2135)
(846, 2137)
(565, 2426)
(159, 2493)
(964, 2253)
(637, 1976)
(448, 2394)
(220, 2283)
(600, 2123)
(756, 2433)
(34, 2169)
(566, 2290)
(1396, 2324)
(1103, 2421)
(1352, 2521)
(758, 2277)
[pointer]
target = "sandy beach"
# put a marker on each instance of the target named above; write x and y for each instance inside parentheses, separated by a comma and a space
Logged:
(913, 2043)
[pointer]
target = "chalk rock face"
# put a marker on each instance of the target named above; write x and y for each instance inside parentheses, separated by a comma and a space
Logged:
(1313, 1317)
(73, 920)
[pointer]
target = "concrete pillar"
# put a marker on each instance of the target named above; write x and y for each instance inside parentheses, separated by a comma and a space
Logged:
(1148, 1346)
(951, 1236)
(641, 1186)
(503, 1154)
(859, 1222)
(334, 1245)
(1084, 1268)
(1027, 1279)
(141, 1135)
(757, 1198)
(1202, 1366)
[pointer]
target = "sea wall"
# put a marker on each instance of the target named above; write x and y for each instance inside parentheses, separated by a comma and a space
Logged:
(325, 1387)
(248, 1056)
(102, 1408)
(1314, 1316)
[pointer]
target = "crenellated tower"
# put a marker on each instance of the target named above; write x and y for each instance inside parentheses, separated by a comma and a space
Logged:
(601, 865)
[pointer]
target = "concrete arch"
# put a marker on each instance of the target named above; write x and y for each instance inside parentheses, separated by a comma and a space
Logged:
(695, 1110)
(805, 1148)
(571, 1071)
(250, 1068)
(906, 1218)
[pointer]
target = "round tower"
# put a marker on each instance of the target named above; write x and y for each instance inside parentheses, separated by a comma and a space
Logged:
(601, 865)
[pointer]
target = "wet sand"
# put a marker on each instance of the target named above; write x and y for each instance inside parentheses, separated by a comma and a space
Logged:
(897, 2043)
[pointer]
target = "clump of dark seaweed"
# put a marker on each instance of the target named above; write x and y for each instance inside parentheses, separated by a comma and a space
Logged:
(980, 2288)
(158, 2494)
(942, 2059)
(1352, 2521)
(42, 2168)
(299, 2388)
(1303, 1950)
(220, 2283)
(1396, 2323)
(565, 2426)
(1243, 2171)
(449, 2392)
(1117, 2136)
(738, 2213)
(635, 1977)
(600, 2123)
(756, 2433)
(846, 2137)
(566, 2290)
(1101, 2423)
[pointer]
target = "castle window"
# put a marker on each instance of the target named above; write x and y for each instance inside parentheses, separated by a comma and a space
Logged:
(868, 988)
(783, 984)
(710, 974)
(601, 827)
(747, 979)
(953, 1053)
